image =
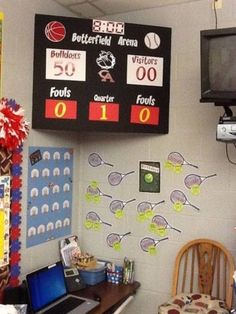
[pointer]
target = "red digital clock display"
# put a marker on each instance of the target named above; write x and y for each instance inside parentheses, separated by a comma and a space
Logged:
(108, 27)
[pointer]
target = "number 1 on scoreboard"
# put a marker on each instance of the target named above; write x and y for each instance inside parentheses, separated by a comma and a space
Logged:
(104, 112)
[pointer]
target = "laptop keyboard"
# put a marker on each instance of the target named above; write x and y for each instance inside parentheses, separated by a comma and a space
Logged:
(65, 306)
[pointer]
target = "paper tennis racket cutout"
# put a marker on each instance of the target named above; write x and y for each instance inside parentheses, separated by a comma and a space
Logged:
(95, 160)
(160, 226)
(93, 221)
(149, 244)
(179, 199)
(193, 182)
(117, 207)
(114, 240)
(115, 178)
(94, 194)
(175, 162)
(146, 210)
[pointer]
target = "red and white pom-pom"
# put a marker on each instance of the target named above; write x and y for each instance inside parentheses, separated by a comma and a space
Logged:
(13, 126)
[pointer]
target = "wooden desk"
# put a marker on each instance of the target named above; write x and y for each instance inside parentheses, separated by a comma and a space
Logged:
(111, 295)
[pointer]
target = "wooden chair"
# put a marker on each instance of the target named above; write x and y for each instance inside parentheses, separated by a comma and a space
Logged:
(205, 267)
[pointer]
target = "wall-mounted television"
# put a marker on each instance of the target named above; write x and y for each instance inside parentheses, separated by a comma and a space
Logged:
(218, 66)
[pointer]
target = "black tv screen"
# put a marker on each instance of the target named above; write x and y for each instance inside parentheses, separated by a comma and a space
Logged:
(218, 66)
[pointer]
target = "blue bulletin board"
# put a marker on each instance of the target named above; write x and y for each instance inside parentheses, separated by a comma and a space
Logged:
(49, 194)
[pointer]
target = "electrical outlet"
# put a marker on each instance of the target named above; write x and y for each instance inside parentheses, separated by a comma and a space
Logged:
(217, 4)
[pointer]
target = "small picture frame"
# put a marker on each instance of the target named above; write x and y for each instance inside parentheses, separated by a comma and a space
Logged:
(149, 176)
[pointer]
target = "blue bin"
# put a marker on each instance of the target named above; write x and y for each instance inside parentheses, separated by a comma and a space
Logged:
(95, 275)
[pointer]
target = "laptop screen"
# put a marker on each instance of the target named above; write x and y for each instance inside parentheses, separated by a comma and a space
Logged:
(46, 285)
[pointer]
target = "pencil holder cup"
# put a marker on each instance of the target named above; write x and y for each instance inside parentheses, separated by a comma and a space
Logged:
(128, 276)
(115, 276)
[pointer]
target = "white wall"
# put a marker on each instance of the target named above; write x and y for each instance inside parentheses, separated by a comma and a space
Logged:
(18, 38)
(192, 132)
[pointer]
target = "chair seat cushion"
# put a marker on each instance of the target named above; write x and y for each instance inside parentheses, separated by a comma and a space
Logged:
(193, 303)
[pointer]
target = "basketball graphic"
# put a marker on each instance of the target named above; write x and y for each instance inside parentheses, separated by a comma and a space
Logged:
(55, 31)
(152, 40)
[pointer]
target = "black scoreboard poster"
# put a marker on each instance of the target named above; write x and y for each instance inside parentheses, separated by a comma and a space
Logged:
(99, 75)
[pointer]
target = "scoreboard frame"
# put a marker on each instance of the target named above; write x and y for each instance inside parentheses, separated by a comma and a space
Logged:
(94, 75)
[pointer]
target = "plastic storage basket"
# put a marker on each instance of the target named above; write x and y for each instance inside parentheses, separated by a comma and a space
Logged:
(95, 275)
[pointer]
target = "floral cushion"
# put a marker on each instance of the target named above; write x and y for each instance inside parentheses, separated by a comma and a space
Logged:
(193, 303)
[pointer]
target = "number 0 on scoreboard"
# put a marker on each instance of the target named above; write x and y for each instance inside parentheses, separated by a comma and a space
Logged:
(144, 115)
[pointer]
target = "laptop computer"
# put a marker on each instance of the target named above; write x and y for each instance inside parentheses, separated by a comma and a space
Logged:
(48, 294)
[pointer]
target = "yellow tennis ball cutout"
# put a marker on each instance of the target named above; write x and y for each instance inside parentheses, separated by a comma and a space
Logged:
(88, 197)
(149, 213)
(168, 165)
(178, 168)
(161, 231)
(148, 178)
(152, 227)
(117, 246)
(195, 189)
(96, 199)
(96, 226)
(94, 184)
(178, 206)
(119, 214)
(88, 224)
(141, 217)
(152, 250)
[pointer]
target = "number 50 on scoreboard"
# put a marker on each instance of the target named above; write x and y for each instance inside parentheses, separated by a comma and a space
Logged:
(66, 65)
